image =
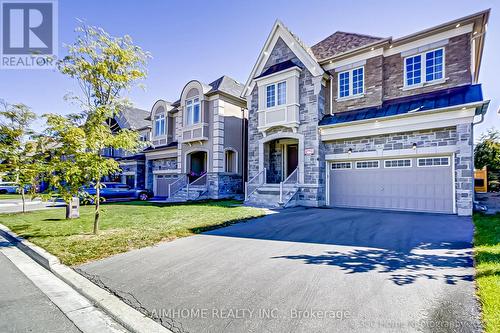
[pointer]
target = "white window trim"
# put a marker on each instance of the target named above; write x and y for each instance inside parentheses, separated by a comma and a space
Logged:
(398, 167)
(423, 70)
(377, 167)
(160, 116)
(236, 162)
(349, 168)
(433, 166)
(351, 95)
(275, 84)
(192, 113)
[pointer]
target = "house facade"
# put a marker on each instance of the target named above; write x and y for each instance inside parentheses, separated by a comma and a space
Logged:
(367, 122)
(198, 143)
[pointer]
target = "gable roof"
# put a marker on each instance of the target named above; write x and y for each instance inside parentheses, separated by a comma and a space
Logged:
(303, 53)
(133, 118)
(340, 42)
(277, 68)
(412, 104)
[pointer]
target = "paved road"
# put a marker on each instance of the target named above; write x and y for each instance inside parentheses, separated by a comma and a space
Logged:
(307, 270)
(15, 205)
(23, 307)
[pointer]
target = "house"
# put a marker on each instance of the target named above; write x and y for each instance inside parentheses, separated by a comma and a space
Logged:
(198, 142)
(132, 164)
(364, 121)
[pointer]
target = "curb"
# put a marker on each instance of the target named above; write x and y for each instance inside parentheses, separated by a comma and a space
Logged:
(122, 313)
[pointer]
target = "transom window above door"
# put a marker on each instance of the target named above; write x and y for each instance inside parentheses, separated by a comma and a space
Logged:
(193, 113)
(276, 94)
(424, 67)
(351, 83)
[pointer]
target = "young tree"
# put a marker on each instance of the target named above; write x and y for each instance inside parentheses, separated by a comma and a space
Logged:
(20, 151)
(487, 153)
(104, 67)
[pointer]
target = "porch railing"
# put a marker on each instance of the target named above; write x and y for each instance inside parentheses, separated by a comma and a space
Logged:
(177, 185)
(253, 184)
(289, 185)
(200, 181)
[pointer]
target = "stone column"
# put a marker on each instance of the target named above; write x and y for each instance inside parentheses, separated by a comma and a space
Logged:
(218, 137)
(464, 170)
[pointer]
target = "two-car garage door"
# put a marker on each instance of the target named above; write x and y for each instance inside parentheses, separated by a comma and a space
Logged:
(418, 184)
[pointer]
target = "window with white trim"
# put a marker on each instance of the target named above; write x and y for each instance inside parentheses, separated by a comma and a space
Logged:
(341, 165)
(276, 94)
(433, 69)
(160, 124)
(403, 163)
(230, 163)
(351, 82)
(193, 114)
(367, 164)
(433, 161)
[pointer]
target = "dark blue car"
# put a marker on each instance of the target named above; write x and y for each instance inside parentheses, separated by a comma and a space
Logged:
(112, 191)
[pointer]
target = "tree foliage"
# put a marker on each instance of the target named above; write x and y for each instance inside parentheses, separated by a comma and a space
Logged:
(104, 67)
(487, 151)
(22, 151)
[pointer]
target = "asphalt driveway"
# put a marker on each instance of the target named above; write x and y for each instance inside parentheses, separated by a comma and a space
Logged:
(307, 270)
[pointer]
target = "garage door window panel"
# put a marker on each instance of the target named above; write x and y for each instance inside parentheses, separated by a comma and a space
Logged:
(402, 163)
(367, 165)
(433, 161)
(341, 165)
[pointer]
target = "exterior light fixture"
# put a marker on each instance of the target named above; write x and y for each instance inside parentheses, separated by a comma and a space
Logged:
(349, 151)
(372, 48)
(458, 25)
(390, 46)
(414, 146)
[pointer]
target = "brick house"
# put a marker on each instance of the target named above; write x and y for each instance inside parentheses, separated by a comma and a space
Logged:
(198, 143)
(364, 121)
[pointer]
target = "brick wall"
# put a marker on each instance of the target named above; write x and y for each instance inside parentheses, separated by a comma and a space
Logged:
(457, 70)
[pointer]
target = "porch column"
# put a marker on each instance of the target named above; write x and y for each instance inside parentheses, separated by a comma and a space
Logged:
(218, 137)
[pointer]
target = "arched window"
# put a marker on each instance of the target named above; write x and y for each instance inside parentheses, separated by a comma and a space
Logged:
(159, 122)
(231, 163)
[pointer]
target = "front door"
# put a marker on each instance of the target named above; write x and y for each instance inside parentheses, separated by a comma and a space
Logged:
(292, 158)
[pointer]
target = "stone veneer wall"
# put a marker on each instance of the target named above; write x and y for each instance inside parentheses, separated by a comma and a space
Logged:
(459, 136)
(311, 107)
(224, 185)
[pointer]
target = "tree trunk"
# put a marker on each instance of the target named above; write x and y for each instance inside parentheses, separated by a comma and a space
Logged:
(97, 207)
(23, 197)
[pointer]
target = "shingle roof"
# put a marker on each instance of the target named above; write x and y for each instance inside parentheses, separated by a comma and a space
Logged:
(423, 102)
(170, 145)
(226, 85)
(277, 68)
(340, 42)
(133, 118)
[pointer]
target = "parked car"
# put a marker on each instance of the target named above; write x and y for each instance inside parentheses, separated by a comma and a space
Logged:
(120, 191)
(8, 187)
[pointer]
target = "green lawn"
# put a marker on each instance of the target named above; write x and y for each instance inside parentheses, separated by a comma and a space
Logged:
(124, 226)
(487, 255)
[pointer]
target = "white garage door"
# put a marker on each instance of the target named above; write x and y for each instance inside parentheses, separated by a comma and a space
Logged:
(162, 182)
(419, 184)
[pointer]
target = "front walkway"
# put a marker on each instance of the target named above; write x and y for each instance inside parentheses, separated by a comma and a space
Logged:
(307, 270)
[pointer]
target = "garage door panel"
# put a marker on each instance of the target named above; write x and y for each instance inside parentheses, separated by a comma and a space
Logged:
(426, 189)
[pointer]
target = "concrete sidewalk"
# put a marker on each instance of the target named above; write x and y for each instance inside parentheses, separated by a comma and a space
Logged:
(33, 299)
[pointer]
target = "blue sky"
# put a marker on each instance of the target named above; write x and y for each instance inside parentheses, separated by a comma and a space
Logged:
(206, 39)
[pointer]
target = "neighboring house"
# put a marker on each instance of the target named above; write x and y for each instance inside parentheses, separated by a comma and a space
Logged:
(198, 142)
(369, 122)
(132, 164)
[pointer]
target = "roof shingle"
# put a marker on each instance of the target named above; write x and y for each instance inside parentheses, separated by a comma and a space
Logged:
(340, 42)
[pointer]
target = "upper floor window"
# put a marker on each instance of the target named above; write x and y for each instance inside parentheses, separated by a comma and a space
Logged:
(276, 94)
(160, 124)
(193, 115)
(351, 82)
(418, 73)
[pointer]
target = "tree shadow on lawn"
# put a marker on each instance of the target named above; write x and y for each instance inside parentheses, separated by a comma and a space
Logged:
(406, 267)
(226, 203)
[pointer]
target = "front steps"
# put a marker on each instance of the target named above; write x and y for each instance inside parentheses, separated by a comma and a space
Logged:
(268, 196)
(196, 192)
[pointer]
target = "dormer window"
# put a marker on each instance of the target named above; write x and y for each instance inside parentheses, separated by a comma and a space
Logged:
(351, 83)
(276, 94)
(424, 67)
(193, 115)
(160, 124)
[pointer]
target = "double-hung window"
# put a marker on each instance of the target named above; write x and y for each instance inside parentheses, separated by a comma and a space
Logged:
(276, 94)
(351, 82)
(193, 111)
(160, 125)
(424, 67)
